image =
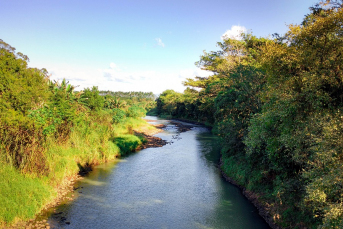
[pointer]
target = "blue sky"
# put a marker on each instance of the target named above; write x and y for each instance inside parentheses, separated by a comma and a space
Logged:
(134, 45)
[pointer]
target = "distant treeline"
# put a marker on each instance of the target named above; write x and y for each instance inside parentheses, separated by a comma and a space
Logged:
(119, 99)
(131, 94)
(277, 104)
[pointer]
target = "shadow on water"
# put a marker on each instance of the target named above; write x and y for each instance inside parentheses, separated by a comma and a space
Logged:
(233, 210)
(176, 186)
(210, 147)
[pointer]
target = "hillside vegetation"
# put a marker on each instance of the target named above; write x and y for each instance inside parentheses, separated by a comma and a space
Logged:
(49, 133)
(277, 104)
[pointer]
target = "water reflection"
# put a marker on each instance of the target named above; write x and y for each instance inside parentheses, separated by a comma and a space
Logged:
(176, 186)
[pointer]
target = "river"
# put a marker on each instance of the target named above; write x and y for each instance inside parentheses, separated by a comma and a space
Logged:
(174, 186)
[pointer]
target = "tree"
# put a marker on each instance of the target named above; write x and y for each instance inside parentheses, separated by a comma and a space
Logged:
(21, 89)
(298, 128)
(92, 99)
(167, 102)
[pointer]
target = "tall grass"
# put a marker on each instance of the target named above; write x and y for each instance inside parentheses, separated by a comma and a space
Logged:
(92, 140)
(127, 143)
(21, 197)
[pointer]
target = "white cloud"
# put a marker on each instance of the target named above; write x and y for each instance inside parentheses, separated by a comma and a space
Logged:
(113, 65)
(149, 80)
(159, 42)
(122, 78)
(234, 33)
(81, 77)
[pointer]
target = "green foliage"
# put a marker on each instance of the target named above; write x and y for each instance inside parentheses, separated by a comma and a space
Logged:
(297, 130)
(21, 197)
(136, 112)
(47, 119)
(113, 102)
(121, 99)
(277, 105)
(21, 88)
(48, 133)
(92, 99)
(130, 95)
(118, 115)
(127, 143)
(167, 102)
(235, 106)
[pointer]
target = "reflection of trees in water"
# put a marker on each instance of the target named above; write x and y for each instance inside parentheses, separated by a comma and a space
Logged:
(210, 147)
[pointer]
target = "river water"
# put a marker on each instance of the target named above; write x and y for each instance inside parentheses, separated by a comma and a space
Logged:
(174, 186)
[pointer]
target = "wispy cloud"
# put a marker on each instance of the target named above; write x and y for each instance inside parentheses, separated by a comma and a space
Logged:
(154, 81)
(234, 33)
(123, 78)
(159, 42)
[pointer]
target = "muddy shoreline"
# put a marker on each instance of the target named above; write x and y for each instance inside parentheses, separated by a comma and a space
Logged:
(152, 141)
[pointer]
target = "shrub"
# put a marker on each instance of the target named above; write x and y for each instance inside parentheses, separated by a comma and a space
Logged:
(118, 116)
(136, 112)
(127, 143)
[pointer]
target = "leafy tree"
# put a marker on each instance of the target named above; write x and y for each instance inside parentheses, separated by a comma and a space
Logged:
(298, 128)
(92, 99)
(58, 116)
(167, 102)
(21, 89)
(186, 106)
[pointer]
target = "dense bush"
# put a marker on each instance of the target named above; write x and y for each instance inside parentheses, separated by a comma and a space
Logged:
(277, 105)
(136, 112)
(118, 115)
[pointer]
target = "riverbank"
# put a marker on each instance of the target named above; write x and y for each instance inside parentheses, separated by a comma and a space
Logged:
(264, 210)
(152, 188)
(76, 166)
(66, 190)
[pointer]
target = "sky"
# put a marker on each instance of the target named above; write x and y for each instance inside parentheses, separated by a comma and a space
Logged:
(141, 45)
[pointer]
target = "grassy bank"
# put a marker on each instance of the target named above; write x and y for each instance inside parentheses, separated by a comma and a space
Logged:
(94, 141)
(49, 133)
